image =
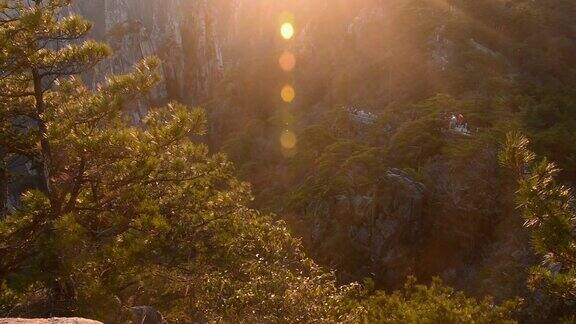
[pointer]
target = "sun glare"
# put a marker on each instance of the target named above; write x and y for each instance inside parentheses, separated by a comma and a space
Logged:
(287, 30)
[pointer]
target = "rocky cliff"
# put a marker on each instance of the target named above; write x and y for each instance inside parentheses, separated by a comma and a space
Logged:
(199, 39)
(184, 34)
(394, 218)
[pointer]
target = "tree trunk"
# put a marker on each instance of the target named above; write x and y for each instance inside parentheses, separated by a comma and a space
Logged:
(44, 163)
(3, 186)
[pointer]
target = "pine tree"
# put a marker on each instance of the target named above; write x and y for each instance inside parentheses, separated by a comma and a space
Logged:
(37, 49)
(126, 214)
(549, 211)
(435, 303)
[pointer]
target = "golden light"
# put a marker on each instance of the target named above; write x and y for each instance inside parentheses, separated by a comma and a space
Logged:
(288, 93)
(287, 61)
(287, 31)
(288, 140)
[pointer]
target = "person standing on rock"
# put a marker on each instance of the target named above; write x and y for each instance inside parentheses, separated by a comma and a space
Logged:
(453, 122)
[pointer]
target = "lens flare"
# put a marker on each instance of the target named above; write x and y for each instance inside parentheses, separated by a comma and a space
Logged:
(288, 93)
(288, 140)
(287, 31)
(287, 61)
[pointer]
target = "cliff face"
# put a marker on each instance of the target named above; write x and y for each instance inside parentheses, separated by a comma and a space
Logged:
(394, 218)
(457, 222)
(198, 39)
(181, 33)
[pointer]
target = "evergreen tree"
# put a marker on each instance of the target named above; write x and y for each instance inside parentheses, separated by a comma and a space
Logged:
(549, 211)
(433, 304)
(126, 214)
(37, 49)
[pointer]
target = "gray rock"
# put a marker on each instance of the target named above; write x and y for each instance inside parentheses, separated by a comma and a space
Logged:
(190, 45)
(54, 320)
(387, 225)
(395, 223)
(146, 315)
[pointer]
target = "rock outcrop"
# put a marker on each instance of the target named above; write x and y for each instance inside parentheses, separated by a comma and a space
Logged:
(140, 315)
(55, 320)
(146, 315)
(388, 230)
(182, 33)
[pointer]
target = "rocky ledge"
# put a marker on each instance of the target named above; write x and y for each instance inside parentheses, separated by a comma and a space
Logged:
(55, 320)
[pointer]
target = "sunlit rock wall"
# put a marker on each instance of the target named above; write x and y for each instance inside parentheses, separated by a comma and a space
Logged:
(181, 32)
(196, 39)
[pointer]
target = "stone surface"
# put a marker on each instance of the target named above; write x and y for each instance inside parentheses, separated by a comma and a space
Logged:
(384, 225)
(392, 219)
(188, 44)
(146, 315)
(55, 320)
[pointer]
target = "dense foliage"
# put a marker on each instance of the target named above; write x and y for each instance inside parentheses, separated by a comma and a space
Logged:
(131, 212)
(433, 304)
(503, 65)
(128, 211)
(115, 209)
(549, 212)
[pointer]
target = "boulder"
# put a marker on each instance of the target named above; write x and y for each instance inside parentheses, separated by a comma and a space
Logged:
(55, 320)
